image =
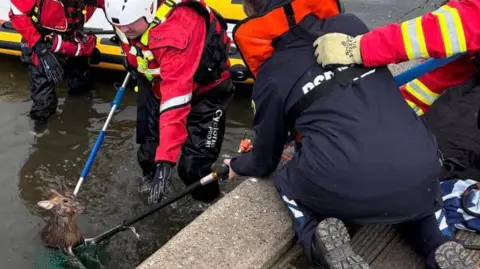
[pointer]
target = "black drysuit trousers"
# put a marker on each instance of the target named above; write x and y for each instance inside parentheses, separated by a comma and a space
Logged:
(205, 127)
(43, 92)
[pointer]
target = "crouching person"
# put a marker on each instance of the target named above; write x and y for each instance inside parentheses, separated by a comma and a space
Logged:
(363, 155)
(179, 51)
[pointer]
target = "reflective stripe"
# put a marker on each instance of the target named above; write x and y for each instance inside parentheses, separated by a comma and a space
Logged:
(15, 10)
(59, 43)
(147, 55)
(121, 35)
(78, 49)
(421, 92)
(415, 108)
(414, 39)
(176, 101)
(133, 51)
(452, 30)
(155, 71)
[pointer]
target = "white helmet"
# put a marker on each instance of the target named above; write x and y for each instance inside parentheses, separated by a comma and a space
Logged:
(123, 12)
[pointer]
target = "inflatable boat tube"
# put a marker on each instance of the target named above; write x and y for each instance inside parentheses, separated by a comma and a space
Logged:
(111, 55)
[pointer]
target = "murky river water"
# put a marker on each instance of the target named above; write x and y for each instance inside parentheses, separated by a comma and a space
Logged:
(30, 166)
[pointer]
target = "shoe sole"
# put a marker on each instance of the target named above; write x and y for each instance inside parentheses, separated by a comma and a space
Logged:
(452, 255)
(334, 241)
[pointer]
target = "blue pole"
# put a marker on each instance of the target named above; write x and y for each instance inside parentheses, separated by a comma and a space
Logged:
(93, 153)
(423, 68)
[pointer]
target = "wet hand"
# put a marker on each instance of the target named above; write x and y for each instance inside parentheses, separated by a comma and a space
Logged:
(231, 174)
(337, 48)
(159, 182)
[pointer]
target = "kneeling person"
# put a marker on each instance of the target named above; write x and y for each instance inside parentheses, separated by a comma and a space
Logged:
(363, 156)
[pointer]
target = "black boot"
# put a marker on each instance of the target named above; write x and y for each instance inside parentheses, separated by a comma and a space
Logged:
(40, 127)
(450, 255)
(331, 247)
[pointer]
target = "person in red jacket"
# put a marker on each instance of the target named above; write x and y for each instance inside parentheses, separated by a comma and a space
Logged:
(179, 51)
(53, 44)
(439, 34)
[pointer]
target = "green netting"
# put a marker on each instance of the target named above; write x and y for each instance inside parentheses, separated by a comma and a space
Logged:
(86, 257)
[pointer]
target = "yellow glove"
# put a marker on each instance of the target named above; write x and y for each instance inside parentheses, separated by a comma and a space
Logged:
(337, 48)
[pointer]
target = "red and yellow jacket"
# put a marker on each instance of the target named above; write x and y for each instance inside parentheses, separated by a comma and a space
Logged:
(449, 30)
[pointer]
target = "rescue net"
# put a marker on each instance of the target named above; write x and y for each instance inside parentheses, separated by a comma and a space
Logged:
(86, 257)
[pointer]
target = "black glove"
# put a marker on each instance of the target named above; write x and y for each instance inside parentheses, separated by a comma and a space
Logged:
(159, 182)
(48, 60)
(95, 57)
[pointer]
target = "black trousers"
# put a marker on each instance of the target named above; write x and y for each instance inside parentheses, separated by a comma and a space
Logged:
(206, 130)
(43, 93)
(424, 233)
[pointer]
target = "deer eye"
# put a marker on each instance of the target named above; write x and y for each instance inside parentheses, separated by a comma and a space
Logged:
(65, 201)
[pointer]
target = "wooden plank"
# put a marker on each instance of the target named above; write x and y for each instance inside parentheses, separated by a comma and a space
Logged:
(384, 248)
(370, 240)
(399, 254)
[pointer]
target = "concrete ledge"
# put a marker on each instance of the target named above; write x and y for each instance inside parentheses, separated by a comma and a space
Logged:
(248, 228)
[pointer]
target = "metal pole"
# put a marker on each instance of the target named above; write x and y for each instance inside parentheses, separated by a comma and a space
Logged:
(93, 153)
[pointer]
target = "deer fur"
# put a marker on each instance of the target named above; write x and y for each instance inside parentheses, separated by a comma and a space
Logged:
(61, 230)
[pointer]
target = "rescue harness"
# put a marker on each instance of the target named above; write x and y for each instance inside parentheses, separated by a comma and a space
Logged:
(74, 14)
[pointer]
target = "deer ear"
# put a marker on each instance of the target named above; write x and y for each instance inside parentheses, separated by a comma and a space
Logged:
(46, 204)
(55, 193)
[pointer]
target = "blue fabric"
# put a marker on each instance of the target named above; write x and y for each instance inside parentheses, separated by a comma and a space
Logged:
(452, 217)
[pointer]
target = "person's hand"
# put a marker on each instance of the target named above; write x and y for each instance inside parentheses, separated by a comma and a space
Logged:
(159, 182)
(231, 174)
(49, 62)
(337, 48)
(89, 44)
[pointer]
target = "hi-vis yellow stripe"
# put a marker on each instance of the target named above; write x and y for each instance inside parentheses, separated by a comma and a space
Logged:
(452, 30)
(415, 108)
(421, 92)
(414, 39)
(160, 15)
